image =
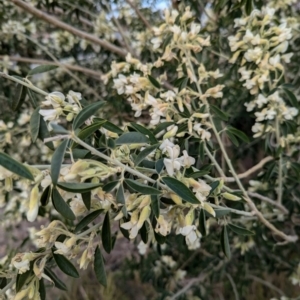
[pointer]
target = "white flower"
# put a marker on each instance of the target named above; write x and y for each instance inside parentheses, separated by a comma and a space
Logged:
(289, 113)
(254, 55)
(119, 83)
(142, 247)
(192, 236)
(261, 100)
(186, 160)
(56, 99)
(73, 97)
(50, 114)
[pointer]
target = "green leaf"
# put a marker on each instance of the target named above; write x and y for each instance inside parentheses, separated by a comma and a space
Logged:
(57, 159)
(46, 195)
(162, 126)
(58, 129)
(22, 279)
(89, 130)
(248, 7)
(144, 153)
(220, 212)
(99, 267)
(225, 242)
(42, 289)
(86, 113)
(120, 197)
(75, 187)
(142, 188)
(292, 98)
(111, 127)
(213, 186)
(160, 238)
(155, 205)
(65, 265)
(86, 198)
(106, 234)
(44, 133)
(32, 98)
(181, 190)
(110, 186)
(232, 138)
(144, 232)
(132, 138)
(35, 124)
(61, 206)
(57, 282)
(241, 135)
(144, 131)
(42, 69)
(87, 220)
(154, 82)
(240, 230)
(202, 222)
(218, 113)
(19, 97)
(159, 165)
(14, 166)
(204, 170)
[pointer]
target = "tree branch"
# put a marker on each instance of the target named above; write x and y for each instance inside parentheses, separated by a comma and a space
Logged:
(51, 20)
(48, 62)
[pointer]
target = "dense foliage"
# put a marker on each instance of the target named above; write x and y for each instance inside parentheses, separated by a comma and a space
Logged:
(173, 132)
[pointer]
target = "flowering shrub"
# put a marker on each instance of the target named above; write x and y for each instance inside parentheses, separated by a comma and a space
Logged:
(205, 158)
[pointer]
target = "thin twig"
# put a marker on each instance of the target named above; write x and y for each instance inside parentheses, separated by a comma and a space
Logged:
(62, 25)
(266, 283)
(49, 62)
(37, 90)
(270, 201)
(250, 171)
(236, 294)
(140, 15)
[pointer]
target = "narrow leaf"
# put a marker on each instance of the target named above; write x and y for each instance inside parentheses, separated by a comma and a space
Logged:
(22, 279)
(86, 198)
(181, 190)
(232, 138)
(142, 188)
(42, 69)
(220, 212)
(57, 159)
(292, 98)
(144, 153)
(155, 205)
(144, 232)
(225, 242)
(89, 130)
(240, 134)
(65, 265)
(106, 234)
(240, 230)
(19, 97)
(202, 222)
(44, 133)
(132, 138)
(58, 128)
(32, 98)
(99, 267)
(74, 187)
(110, 186)
(213, 186)
(42, 289)
(14, 166)
(87, 220)
(61, 206)
(219, 113)
(35, 124)
(154, 82)
(159, 165)
(46, 195)
(144, 131)
(86, 113)
(57, 282)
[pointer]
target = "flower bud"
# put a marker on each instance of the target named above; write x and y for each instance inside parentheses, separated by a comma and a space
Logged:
(171, 133)
(33, 204)
(231, 197)
(209, 209)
